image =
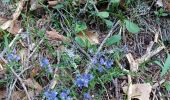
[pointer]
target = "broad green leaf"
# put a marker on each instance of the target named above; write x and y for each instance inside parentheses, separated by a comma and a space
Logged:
(132, 27)
(167, 86)
(113, 39)
(58, 6)
(166, 66)
(80, 26)
(80, 41)
(103, 14)
(108, 23)
(115, 1)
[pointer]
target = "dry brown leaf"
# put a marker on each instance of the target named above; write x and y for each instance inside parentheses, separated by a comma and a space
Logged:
(168, 6)
(90, 35)
(140, 91)
(2, 20)
(33, 84)
(17, 95)
(12, 25)
(15, 28)
(53, 34)
(17, 12)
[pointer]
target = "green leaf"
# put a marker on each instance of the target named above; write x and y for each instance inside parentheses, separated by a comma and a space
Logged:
(167, 86)
(108, 23)
(80, 26)
(166, 66)
(80, 41)
(58, 6)
(115, 1)
(103, 14)
(113, 39)
(131, 27)
(164, 14)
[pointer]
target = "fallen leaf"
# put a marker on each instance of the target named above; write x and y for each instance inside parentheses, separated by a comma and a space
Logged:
(53, 34)
(14, 29)
(17, 95)
(2, 20)
(90, 35)
(12, 25)
(3, 94)
(140, 91)
(30, 82)
(17, 12)
(35, 71)
(168, 6)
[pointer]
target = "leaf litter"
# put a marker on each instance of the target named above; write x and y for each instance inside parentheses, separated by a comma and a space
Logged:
(37, 80)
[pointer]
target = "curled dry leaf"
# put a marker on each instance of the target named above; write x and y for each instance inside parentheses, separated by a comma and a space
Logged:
(92, 36)
(140, 91)
(53, 34)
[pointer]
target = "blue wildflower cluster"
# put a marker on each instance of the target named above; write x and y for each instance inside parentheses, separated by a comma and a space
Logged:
(51, 95)
(102, 62)
(44, 63)
(65, 95)
(87, 96)
(83, 80)
(13, 56)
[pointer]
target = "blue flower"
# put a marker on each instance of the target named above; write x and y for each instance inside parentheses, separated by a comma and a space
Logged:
(68, 98)
(101, 60)
(94, 61)
(44, 62)
(65, 95)
(13, 57)
(83, 80)
(51, 95)
(87, 96)
(100, 69)
(109, 63)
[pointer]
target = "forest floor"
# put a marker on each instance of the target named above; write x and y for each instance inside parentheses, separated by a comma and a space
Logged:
(84, 49)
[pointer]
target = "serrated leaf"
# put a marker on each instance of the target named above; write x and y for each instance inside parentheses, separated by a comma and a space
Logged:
(80, 26)
(80, 41)
(113, 39)
(132, 27)
(103, 14)
(166, 66)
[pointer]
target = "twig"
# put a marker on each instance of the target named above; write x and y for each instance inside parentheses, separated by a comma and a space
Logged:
(35, 48)
(129, 88)
(147, 56)
(13, 85)
(22, 83)
(115, 82)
